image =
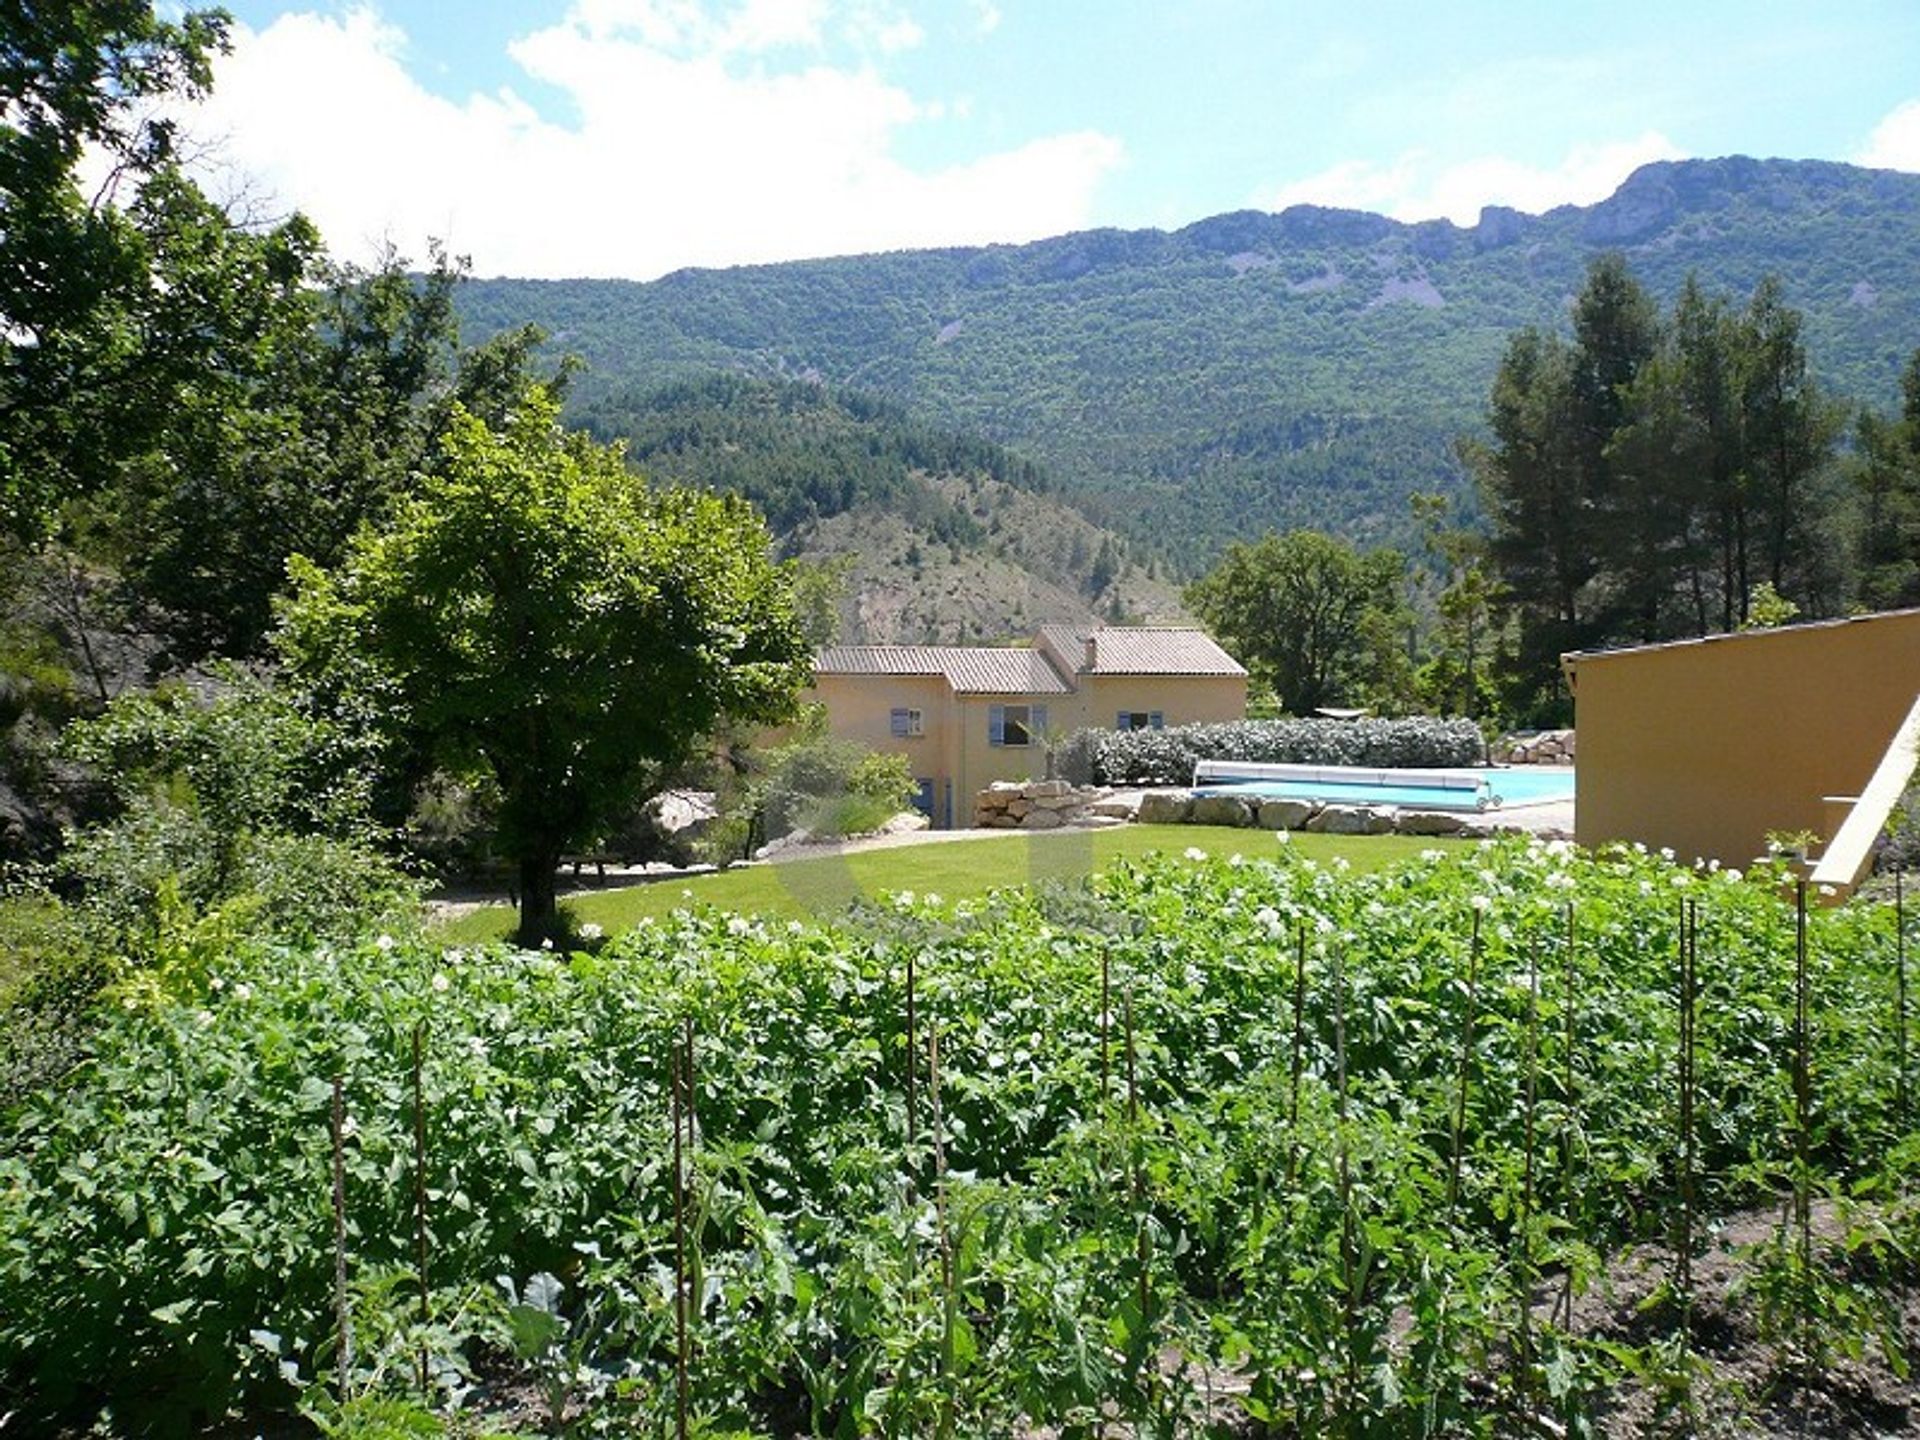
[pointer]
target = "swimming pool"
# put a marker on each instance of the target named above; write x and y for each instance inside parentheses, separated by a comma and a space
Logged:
(1515, 785)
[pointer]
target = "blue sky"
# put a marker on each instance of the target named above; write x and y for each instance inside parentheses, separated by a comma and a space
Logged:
(631, 137)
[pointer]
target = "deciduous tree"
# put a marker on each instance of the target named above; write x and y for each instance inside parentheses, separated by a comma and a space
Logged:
(537, 609)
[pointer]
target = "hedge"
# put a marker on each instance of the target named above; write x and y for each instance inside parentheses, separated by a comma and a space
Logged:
(1166, 757)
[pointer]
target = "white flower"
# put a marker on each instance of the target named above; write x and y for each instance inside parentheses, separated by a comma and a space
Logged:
(1268, 919)
(1828, 891)
(477, 1046)
(204, 1019)
(904, 899)
(1560, 880)
(1666, 852)
(738, 925)
(243, 991)
(441, 984)
(1682, 878)
(1235, 860)
(1284, 837)
(1194, 852)
(931, 898)
(1712, 865)
(386, 941)
(546, 944)
(1730, 874)
(591, 931)
(1481, 903)
(1341, 863)
(794, 927)
(1433, 857)
(1646, 887)
(1322, 925)
(452, 957)
(216, 983)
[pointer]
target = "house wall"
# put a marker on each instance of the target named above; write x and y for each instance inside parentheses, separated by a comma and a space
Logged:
(956, 751)
(1707, 745)
(1182, 699)
(860, 708)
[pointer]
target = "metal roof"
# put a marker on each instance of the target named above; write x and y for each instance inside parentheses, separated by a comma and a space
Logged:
(969, 670)
(1141, 650)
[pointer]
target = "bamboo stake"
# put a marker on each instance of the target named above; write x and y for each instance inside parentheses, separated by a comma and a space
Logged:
(1802, 1111)
(1901, 1098)
(343, 1312)
(1299, 1051)
(949, 1306)
(1142, 1242)
(1525, 1227)
(913, 1069)
(1684, 1079)
(676, 1067)
(1349, 1240)
(420, 1197)
(1569, 1182)
(1466, 1066)
(1106, 1010)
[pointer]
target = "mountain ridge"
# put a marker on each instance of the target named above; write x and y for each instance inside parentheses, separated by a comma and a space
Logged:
(1252, 369)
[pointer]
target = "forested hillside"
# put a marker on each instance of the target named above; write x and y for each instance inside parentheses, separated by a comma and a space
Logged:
(930, 536)
(1251, 370)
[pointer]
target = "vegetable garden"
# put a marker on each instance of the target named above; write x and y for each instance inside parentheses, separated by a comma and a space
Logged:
(1251, 1147)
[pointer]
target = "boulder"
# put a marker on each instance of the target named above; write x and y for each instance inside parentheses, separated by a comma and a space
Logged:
(1221, 810)
(1164, 807)
(1342, 820)
(1284, 814)
(1114, 808)
(1047, 789)
(1429, 822)
(1042, 820)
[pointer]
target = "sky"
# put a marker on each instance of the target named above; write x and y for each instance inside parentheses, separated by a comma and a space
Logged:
(630, 138)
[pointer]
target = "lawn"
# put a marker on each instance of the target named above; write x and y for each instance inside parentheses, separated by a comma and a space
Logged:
(801, 889)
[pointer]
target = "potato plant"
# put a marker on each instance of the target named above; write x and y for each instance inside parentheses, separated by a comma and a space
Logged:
(1231, 1177)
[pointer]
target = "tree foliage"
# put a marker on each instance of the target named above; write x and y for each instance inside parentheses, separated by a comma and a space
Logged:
(75, 363)
(536, 609)
(1644, 477)
(1304, 612)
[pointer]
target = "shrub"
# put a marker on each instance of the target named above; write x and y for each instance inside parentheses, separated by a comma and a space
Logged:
(1167, 757)
(804, 783)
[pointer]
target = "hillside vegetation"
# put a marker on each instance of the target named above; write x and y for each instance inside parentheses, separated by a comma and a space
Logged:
(1253, 370)
(935, 537)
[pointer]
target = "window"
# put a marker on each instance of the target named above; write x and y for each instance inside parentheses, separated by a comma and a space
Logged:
(1015, 725)
(1139, 720)
(907, 723)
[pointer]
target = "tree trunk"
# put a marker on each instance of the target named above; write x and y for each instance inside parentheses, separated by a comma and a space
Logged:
(539, 899)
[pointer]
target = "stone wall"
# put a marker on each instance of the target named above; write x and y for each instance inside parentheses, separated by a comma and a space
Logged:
(1045, 805)
(1178, 807)
(1534, 747)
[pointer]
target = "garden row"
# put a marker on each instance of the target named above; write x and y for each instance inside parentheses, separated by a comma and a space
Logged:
(1050, 1159)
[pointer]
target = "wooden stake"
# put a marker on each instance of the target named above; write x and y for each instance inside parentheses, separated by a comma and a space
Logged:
(420, 1198)
(676, 1106)
(949, 1300)
(1299, 1051)
(1569, 1184)
(1466, 1070)
(342, 1307)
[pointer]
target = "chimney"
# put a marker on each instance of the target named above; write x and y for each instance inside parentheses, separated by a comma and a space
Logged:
(1093, 651)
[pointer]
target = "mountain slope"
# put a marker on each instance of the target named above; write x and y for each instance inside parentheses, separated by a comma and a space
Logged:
(941, 538)
(1310, 367)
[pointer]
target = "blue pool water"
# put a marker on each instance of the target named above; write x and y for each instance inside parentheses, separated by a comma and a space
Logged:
(1520, 785)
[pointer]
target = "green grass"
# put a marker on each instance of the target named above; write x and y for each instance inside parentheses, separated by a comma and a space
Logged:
(804, 889)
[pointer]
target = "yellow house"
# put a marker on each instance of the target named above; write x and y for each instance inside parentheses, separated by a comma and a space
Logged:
(1707, 745)
(967, 716)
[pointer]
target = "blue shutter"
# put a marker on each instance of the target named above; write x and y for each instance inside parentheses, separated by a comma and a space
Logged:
(1123, 721)
(996, 725)
(899, 722)
(1036, 724)
(1157, 720)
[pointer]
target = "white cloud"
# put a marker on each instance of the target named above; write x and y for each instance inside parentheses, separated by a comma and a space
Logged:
(690, 146)
(986, 15)
(1895, 142)
(1414, 187)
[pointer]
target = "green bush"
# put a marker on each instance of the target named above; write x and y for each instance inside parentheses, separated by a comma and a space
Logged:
(810, 784)
(1167, 757)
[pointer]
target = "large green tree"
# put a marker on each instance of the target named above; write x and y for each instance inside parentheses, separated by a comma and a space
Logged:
(536, 609)
(1305, 612)
(74, 361)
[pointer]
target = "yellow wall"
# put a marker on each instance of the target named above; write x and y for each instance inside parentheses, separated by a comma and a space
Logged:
(956, 749)
(1707, 745)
